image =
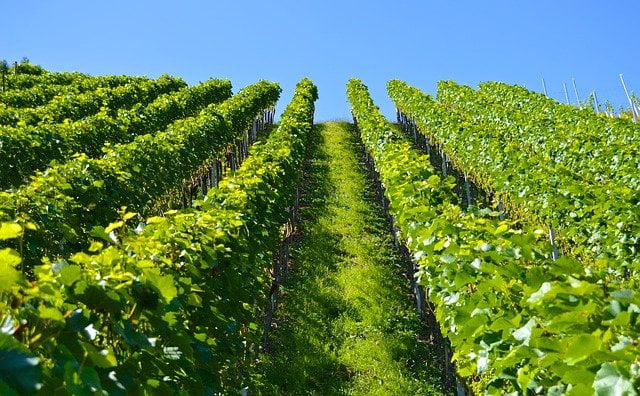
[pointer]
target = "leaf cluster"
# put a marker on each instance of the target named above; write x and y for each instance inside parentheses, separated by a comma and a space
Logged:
(77, 83)
(171, 306)
(30, 148)
(66, 201)
(572, 168)
(517, 320)
(73, 106)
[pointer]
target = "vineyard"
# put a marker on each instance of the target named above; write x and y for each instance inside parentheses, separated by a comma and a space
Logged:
(157, 237)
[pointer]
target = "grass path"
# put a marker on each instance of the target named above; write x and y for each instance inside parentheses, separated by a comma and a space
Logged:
(345, 324)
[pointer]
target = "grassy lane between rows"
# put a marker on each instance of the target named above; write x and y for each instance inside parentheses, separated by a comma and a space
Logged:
(345, 323)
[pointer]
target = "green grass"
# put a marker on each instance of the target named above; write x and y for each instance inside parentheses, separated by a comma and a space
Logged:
(345, 324)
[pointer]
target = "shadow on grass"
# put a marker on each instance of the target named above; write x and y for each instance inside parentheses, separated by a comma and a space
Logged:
(301, 361)
(345, 324)
(375, 220)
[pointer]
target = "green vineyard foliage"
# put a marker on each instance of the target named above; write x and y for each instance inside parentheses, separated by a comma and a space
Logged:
(31, 148)
(170, 305)
(555, 161)
(76, 106)
(43, 92)
(517, 320)
(66, 201)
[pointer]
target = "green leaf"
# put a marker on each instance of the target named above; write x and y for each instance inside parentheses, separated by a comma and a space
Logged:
(501, 229)
(611, 382)
(433, 181)
(535, 277)
(99, 232)
(103, 358)
(581, 346)
(580, 390)
(10, 231)
(95, 246)
(50, 313)
(537, 296)
(128, 215)
(96, 297)
(440, 245)
(526, 378)
(9, 258)
(194, 299)
(155, 219)
(566, 265)
(447, 258)
(623, 295)
(163, 283)
(113, 226)
(18, 367)
(578, 376)
(81, 258)
(70, 274)
(556, 391)
(524, 333)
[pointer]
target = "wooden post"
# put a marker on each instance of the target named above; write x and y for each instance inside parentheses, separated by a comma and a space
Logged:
(419, 296)
(467, 189)
(254, 132)
(415, 132)
(184, 197)
(211, 175)
(444, 164)
(552, 239)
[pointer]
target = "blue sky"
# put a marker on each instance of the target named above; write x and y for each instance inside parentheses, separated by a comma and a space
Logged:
(330, 41)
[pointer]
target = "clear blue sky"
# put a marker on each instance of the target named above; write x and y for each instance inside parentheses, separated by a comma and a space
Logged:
(330, 41)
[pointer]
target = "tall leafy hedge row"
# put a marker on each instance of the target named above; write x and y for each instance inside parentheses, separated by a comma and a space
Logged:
(66, 201)
(517, 320)
(30, 148)
(172, 305)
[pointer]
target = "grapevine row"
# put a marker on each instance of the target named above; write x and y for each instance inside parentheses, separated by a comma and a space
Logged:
(41, 94)
(602, 128)
(171, 306)
(38, 76)
(75, 107)
(595, 148)
(517, 320)
(31, 148)
(67, 200)
(589, 224)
